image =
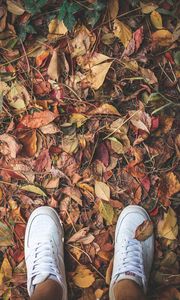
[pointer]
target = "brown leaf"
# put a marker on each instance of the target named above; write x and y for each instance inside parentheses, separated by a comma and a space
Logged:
(144, 230)
(123, 32)
(15, 7)
(54, 66)
(102, 154)
(113, 8)
(102, 190)
(78, 235)
(169, 293)
(43, 162)
(29, 141)
(141, 120)
(162, 38)
(167, 227)
(38, 119)
(148, 75)
(73, 193)
(6, 235)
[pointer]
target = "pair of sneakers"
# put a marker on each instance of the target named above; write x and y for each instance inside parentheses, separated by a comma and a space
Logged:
(44, 249)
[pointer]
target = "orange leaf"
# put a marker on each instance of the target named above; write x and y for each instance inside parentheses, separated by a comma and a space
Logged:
(41, 58)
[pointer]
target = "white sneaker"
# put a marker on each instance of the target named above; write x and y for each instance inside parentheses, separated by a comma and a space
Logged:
(44, 249)
(132, 258)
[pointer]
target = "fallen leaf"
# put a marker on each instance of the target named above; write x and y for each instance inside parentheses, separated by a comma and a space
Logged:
(106, 211)
(38, 119)
(102, 154)
(73, 193)
(140, 120)
(99, 293)
(90, 60)
(18, 97)
(83, 277)
(15, 7)
(5, 271)
(54, 66)
(82, 42)
(6, 235)
(78, 235)
(29, 141)
(167, 227)
(9, 145)
(33, 189)
(42, 57)
(116, 145)
(56, 29)
(96, 76)
(3, 18)
(148, 75)
(88, 239)
(70, 143)
(147, 8)
(135, 42)
(109, 272)
(169, 293)
(123, 32)
(43, 162)
(144, 230)
(105, 109)
(50, 128)
(156, 19)
(113, 8)
(102, 190)
(162, 38)
(79, 119)
(4, 88)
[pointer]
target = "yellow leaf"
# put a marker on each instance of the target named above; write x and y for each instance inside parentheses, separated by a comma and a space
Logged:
(113, 8)
(147, 8)
(156, 19)
(15, 7)
(88, 61)
(106, 211)
(96, 76)
(33, 189)
(5, 271)
(167, 227)
(162, 37)
(79, 119)
(57, 28)
(83, 277)
(123, 32)
(6, 237)
(99, 293)
(105, 109)
(102, 190)
(130, 64)
(116, 145)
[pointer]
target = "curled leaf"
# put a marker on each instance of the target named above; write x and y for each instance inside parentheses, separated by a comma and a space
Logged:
(83, 277)
(33, 189)
(144, 230)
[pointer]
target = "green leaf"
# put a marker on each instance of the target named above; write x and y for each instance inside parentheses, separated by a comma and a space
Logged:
(24, 30)
(63, 11)
(34, 6)
(6, 236)
(106, 211)
(33, 189)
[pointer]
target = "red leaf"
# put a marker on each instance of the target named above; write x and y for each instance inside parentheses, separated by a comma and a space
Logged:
(138, 37)
(169, 57)
(102, 154)
(154, 123)
(146, 183)
(38, 119)
(43, 162)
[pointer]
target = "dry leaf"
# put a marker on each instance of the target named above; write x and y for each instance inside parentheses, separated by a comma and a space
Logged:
(5, 271)
(90, 60)
(123, 32)
(56, 29)
(83, 277)
(3, 18)
(15, 7)
(54, 66)
(169, 293)
(148, 75)
(116, 145)
(82, 42)
(147, 8)
(99, 293)
(169, 185)
(113, 8)
(9, 146)
(79, 119)
(73, 193)
(50, 128)
(4, 88)
(96, 76)
(38, 119)
(33, 189)
(29, 141)
(18, 97)
(156, 19)
(6, 235)
(78, 235)
(105, 109)
(102, 190)
(162, 38)
(70, 143)
(41, 57)
(106, 211)
(140, 120)
(167, 227)
(144, 230)
(109, 272)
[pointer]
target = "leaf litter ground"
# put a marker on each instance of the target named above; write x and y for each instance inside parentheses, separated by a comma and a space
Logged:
(89, 124)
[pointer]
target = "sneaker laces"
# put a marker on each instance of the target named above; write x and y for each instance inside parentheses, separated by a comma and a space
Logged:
(131, 259)
(43, 261)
